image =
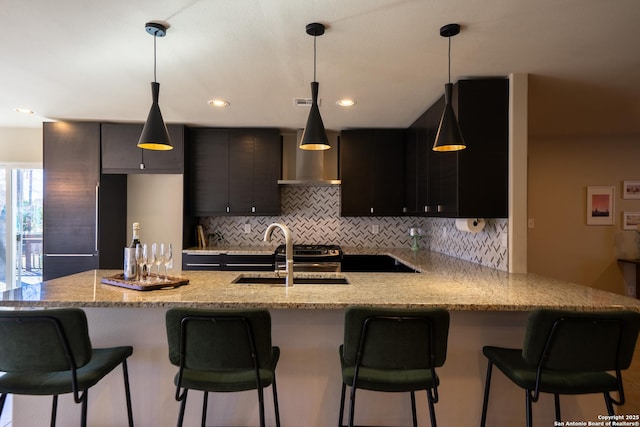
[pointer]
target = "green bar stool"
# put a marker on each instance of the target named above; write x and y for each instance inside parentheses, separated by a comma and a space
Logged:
(48, 352)
(568, 352)
(222, 351)
(391, 350)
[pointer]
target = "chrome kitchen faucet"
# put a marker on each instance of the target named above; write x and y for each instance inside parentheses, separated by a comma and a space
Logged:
(288, 252)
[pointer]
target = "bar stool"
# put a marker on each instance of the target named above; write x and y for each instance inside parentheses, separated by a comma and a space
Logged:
(222, 351)
(567, 352)
(393, 351)
(48, 352)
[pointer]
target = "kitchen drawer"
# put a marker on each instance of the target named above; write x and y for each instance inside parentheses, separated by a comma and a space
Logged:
(202, 262)
(198, 261)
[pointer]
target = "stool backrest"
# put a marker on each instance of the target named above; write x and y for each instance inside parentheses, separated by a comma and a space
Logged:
(218, 339)
(396, 339)
(581, 341)
(44, 340)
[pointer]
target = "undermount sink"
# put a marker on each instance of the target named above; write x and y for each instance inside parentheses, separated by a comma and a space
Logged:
(246, 279)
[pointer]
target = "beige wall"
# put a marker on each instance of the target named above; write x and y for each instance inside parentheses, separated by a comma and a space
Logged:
(20, 145)
(561, 245)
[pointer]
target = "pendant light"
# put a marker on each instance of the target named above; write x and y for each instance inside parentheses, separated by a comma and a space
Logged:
(154, 134)
(449, 136)
(314, 137)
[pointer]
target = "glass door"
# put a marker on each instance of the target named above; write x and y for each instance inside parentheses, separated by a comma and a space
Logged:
(20, 227)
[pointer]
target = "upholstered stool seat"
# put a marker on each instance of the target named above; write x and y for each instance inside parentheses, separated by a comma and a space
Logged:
(222, 351)
(567, 352)
(48, 352)
(390, 350)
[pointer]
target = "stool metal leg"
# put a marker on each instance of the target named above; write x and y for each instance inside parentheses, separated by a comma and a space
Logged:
(556, 401)
(352, 404)
(85, 398)
(275, 400)
(432, 410)
(413, 409)
(183, 404)
(609, 403)
(261, 405)
(127, 392)
(54, 410)
(342, 396)
(205, 401)
(487, 387)
(528, 408)
(3, 397)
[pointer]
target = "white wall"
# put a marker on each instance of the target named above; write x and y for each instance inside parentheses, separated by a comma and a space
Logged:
(20, 145)
(155, 201)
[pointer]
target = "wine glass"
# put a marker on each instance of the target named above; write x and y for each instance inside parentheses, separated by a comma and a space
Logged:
(140, 262)
(149, 258)
(158, 256)
(168, 257)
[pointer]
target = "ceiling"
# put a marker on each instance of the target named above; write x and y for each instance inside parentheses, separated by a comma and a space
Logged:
(93, 60)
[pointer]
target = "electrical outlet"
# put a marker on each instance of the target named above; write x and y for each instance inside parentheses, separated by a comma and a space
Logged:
(444, 232)
(375, 229)
(247, 228)
(531, 223)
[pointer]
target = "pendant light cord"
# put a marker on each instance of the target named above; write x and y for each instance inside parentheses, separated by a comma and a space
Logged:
(314, 58)
(449, 59)
(154, 58)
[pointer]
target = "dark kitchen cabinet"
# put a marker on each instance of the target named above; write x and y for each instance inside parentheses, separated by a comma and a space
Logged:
(228, 262)
(84, 212)
(472, 182)
(120, 154)
(234, 171)
(372, 170)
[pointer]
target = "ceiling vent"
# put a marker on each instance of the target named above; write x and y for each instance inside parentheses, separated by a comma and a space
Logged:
(304, 102)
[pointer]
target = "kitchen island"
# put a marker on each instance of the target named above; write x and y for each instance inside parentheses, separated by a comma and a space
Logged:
(488, 307)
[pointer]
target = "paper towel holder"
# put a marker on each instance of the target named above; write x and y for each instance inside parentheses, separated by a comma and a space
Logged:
(472, 225)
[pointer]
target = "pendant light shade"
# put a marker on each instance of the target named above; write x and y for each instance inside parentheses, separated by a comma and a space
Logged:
(154, 134)
(314, 136)
(449, 136)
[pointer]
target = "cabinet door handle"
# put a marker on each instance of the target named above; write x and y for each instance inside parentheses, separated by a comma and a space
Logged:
(440, 208)
(97, 206)
(371, 210)
(228, 210)
(253, 209)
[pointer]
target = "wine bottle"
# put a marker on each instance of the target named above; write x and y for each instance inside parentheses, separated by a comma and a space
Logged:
(135, 239)
(130, 263)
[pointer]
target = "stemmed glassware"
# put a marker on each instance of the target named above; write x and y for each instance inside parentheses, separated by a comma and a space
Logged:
(149, 258)
(140, 261)
(158, 257)
(168, 256)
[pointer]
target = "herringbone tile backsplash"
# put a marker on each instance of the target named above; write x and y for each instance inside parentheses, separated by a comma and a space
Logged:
(313, 216)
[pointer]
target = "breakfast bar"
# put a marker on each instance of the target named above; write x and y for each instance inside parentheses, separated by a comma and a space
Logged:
(487, 306)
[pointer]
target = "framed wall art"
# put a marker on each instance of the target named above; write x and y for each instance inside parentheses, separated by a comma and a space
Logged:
(600, 205)
(631, 189)
(630, 220)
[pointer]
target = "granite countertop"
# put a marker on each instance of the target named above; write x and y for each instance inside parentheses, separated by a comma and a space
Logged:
(443, 281)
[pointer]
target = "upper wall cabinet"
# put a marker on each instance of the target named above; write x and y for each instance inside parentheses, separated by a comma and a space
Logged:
(372, 171)
(472, 182)
(234, 171)
(120, 154)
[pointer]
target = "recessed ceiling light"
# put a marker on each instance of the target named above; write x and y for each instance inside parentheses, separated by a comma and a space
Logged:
(218, 103)
(346, 103)
(23, 110)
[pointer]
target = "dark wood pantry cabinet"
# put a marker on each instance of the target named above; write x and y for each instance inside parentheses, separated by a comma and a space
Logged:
(120, 154)
(234, 171)
(472, 182)
(84, 212)
(372, 171)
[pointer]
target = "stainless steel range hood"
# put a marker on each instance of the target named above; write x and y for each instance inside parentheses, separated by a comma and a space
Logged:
(305, 167)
